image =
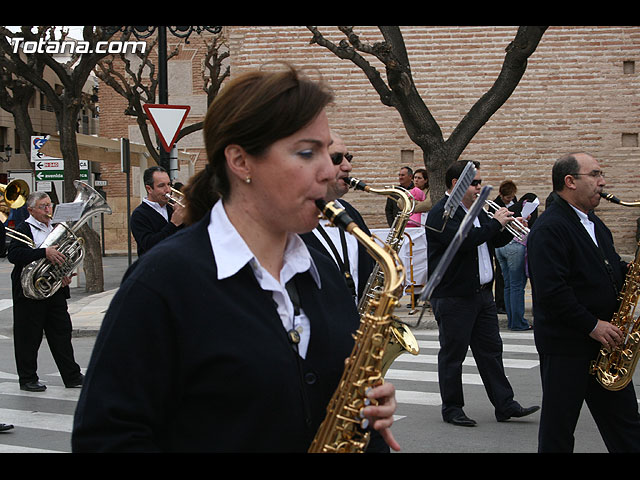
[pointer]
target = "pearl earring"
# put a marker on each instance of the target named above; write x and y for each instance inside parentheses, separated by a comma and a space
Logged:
(247, 180)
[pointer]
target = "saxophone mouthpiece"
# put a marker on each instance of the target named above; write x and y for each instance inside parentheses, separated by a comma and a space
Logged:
(356, 184)
(610, 197)
(336, 215)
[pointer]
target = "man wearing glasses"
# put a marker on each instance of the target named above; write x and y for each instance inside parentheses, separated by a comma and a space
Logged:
(33, 317)
(576, 276)
(464, 306)
(352, 259)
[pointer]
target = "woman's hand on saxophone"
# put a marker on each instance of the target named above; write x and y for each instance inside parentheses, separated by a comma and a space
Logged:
(381, 415)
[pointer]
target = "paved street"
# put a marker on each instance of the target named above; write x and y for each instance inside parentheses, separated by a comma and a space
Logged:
(43, 421)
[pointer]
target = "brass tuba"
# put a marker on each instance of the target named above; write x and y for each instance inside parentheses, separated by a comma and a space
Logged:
(402, 339)
(41, 279)
(614, 367)
(344, 427)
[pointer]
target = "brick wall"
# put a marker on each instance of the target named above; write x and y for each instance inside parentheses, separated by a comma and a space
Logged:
(575, 95)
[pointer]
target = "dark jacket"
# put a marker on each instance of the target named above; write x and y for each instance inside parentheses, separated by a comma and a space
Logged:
(185, 362)
(462, 278)
(149, 227)
(366, 263)
(574, 282)
(21, 255)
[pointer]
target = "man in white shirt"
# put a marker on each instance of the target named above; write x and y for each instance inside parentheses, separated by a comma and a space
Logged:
(155, 218)
(350, 257)
(32, 317)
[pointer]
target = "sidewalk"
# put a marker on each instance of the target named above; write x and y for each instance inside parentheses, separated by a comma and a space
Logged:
(87, 310)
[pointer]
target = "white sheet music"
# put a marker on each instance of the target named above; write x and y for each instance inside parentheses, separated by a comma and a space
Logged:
(67, 212)
(529, 207)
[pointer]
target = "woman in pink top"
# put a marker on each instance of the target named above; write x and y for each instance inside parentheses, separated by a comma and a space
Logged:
(421, 193)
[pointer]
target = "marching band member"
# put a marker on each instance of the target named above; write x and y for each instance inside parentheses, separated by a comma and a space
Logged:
(155, 218)
(576, 275)
(32, 318)
(351, 258)
(231, 335)
(464, 307)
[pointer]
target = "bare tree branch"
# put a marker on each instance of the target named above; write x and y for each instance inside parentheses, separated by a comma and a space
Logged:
(401, 93)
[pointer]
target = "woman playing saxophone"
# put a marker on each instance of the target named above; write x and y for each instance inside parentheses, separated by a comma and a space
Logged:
(247, 350)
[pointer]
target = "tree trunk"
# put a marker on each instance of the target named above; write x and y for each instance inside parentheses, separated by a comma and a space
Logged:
(92, 263)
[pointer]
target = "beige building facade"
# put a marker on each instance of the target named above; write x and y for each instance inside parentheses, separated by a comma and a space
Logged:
(580, 92)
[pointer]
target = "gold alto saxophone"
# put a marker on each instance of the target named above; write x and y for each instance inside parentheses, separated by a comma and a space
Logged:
(614, 367)
(344, 429)
(402, 339)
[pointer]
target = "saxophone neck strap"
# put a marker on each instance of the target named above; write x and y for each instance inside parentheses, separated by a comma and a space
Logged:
(343, 265)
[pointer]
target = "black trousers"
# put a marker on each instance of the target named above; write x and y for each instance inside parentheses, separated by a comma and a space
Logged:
(463, 323)
(566, 385)
(32, 318)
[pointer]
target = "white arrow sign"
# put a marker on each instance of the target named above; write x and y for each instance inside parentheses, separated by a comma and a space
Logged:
(167, 120)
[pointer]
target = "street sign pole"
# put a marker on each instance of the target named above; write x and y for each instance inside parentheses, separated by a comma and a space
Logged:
(125, 166)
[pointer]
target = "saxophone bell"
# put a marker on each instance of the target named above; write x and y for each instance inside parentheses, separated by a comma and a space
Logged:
(614, 366)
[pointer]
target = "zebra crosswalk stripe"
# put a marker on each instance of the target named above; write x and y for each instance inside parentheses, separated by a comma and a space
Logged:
(404, 367)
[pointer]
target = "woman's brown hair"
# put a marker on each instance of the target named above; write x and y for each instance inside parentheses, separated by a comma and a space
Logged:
(253, 110)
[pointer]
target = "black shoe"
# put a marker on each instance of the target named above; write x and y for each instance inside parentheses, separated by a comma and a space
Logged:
(519, 412)
(461, 420)
(77, 383)
(5, 426)
(33, 386)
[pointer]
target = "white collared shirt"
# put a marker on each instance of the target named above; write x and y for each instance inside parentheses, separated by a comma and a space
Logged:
(586, 223)
(232, 253)
(485, 268)
(162, 210)
(39, 230)
(334, 235)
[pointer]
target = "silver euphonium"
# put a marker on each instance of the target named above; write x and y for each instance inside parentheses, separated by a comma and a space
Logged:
(41, 279)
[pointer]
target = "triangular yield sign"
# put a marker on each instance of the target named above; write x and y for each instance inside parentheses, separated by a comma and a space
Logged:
(167, 121)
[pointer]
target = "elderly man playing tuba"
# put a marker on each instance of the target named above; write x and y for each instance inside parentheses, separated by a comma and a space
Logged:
(33, 317)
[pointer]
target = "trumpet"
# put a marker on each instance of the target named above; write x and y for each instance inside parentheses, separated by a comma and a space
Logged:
(517, 229)
(175, 201)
